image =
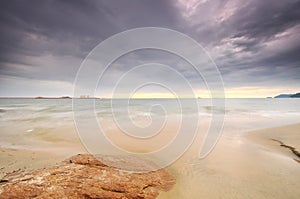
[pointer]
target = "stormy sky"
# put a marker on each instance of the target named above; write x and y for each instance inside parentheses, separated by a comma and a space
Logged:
(255, 43)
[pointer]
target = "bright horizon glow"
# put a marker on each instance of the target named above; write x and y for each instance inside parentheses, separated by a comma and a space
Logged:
(238, 92)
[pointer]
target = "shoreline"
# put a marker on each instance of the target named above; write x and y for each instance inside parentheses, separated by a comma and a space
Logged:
(240, 159)
(283, 140)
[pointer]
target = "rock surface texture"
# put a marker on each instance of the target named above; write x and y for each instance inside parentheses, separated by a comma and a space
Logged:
(84, 176)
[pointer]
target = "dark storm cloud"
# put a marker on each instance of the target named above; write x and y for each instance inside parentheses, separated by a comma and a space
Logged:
(47, 22)
(259, 22)
(258, 35)
(66, 22)
(264, 19)
(33, 29)
(253, 42)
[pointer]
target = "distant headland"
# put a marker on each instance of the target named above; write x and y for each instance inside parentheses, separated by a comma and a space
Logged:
(296, 95)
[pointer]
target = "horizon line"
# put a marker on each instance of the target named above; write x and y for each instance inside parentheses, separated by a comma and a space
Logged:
(68, 97)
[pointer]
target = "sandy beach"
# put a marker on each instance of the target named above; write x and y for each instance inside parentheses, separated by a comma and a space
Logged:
(247, 166)
(273, 137)
(39, 148)
(14, 160)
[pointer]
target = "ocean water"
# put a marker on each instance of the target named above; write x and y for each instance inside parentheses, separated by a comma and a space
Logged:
(15, 109)
(20, 118)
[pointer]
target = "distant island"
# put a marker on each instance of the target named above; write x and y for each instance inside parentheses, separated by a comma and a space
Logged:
(297, 95)
(63, 97)
(68, 97)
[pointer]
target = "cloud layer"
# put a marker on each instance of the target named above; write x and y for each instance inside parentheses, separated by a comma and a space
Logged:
(42, 43)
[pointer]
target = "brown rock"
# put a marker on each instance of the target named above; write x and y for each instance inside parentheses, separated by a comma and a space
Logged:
(84, 176)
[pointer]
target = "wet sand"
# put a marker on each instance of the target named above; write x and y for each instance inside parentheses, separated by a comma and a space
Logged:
(14, 160)
(247, 165)
(40, 148)
(279, 139)
(242, 165)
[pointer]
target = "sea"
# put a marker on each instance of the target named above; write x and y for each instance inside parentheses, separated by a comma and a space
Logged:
(20, 118)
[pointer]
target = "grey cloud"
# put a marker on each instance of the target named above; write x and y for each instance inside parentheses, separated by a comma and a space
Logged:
(263, 19)
(61, 23)
(47, 40)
